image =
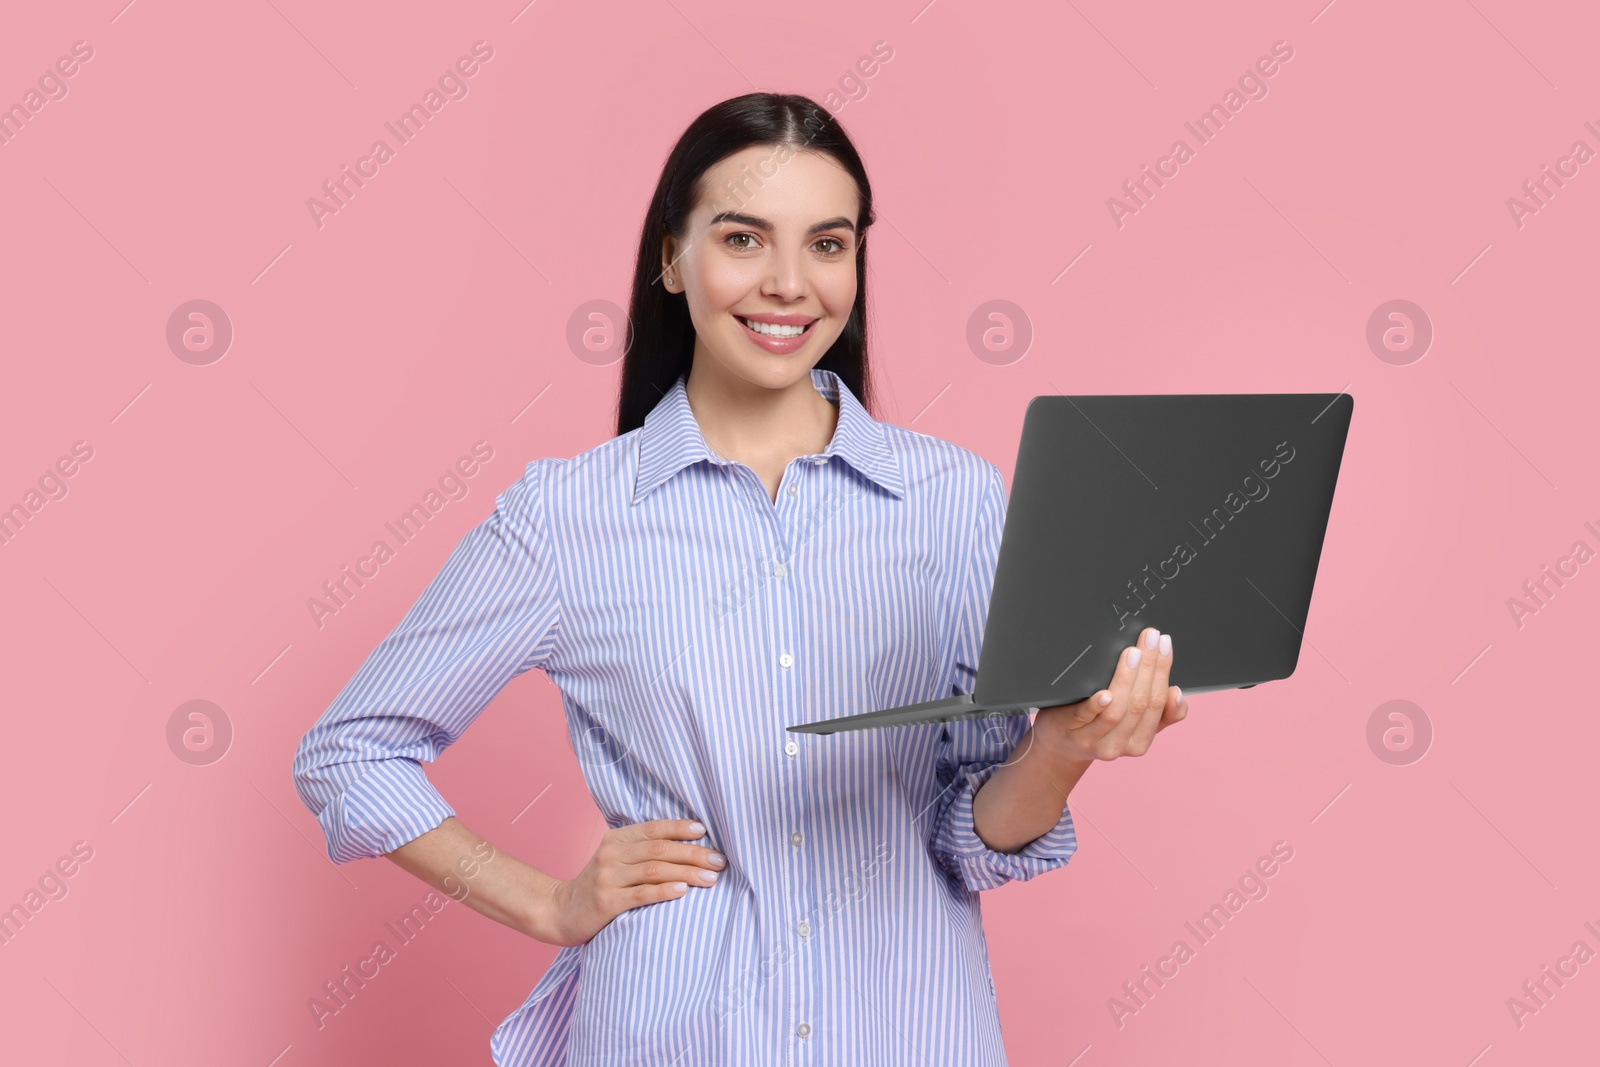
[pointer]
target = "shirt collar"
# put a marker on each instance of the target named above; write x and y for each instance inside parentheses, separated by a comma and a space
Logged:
(670, 439)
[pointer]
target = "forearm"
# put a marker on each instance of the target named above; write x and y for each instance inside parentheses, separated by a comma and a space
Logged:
(1024, 799)
(459, 863)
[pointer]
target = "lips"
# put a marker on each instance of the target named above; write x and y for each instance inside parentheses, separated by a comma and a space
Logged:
(777, 325)
(778, 334)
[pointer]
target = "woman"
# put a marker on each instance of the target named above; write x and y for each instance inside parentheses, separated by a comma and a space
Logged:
(752, 550)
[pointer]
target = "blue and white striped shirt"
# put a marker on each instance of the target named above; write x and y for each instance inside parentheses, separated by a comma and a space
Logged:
(687, 619)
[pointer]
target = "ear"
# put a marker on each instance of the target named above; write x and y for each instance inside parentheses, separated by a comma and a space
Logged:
(669, 251)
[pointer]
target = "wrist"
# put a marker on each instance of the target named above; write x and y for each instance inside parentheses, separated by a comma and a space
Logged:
(1058, 743)
(542, 907)
(1066, 763)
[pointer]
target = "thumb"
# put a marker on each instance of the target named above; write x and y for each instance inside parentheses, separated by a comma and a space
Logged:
(1177, 707)
(1089, 710)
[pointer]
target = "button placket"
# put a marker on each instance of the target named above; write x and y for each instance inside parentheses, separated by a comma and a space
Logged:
(791, 651)
(788, 619)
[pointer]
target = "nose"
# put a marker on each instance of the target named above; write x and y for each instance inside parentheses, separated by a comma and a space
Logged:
(786, 278)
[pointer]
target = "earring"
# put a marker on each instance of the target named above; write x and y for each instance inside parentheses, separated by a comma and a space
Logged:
(669, 279)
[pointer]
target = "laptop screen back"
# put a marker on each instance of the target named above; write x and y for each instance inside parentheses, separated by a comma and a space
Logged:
(1201, 515)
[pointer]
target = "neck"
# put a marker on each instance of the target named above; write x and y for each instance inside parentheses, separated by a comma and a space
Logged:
(753, 424)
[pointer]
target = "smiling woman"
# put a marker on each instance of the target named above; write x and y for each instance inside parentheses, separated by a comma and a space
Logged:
(781, 283)
(753, 549)
(754, 247)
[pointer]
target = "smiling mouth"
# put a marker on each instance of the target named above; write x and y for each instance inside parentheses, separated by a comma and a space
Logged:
(768, 329)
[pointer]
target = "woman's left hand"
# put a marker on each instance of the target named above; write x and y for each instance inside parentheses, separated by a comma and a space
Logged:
(1123, 719)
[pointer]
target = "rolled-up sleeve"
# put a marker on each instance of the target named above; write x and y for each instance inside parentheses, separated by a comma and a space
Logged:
(490, 614)
(970, 751)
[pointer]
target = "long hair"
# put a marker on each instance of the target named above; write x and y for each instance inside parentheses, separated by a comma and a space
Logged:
(660, 337)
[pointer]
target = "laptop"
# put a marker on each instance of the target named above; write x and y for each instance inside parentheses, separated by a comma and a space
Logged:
(1201, 515)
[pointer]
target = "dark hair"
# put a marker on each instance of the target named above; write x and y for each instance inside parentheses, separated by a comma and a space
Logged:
(660, 338)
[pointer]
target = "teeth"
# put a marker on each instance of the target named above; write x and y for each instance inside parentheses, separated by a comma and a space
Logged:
(774, 331)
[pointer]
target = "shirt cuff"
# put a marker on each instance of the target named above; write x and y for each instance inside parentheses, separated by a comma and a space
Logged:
(390, 804)
(964, 854)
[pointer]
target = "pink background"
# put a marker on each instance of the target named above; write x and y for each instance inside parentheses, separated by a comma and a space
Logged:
(427, 314)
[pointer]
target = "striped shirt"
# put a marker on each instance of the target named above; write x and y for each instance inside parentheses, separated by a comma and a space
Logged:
(687, 618)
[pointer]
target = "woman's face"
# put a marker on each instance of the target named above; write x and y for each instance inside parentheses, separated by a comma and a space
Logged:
(767, 263)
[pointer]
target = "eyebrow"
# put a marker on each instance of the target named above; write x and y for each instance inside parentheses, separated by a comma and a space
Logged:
(840, 223)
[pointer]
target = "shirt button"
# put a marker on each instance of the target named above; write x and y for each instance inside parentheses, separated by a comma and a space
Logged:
(779, 570)
(820, 460)
(804, 1029)
(795, 839)
(793, 489)
(804, 929)
(792, 747)
(786, 660)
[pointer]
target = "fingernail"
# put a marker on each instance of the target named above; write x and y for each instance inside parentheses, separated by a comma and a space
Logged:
(697, 828)
(679, 887)
(1151, 638)
(708, 876)
(1105, 698)
(1166, 644)
(1133, 658)
(718, 859)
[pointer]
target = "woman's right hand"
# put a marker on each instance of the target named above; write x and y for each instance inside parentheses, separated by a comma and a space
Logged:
(640, 863)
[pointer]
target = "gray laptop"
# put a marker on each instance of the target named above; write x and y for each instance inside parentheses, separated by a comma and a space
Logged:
(1200, 515)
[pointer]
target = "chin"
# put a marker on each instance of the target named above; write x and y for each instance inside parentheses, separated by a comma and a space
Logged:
(776, 372)
(771, 369)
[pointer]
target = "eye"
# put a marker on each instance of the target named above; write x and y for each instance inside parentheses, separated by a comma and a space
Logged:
(838, 246)
(733, 238)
